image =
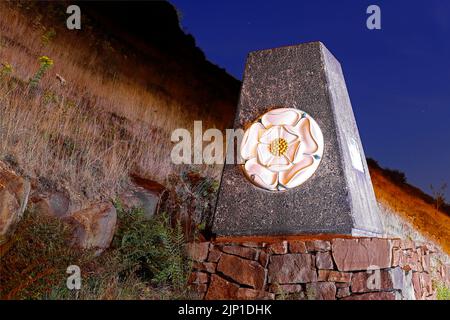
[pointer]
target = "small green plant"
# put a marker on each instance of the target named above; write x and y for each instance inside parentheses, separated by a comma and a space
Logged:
(151, 249)
(50, 97)
(442, 292)
(5, 69)
(48, 36)
(45, 64)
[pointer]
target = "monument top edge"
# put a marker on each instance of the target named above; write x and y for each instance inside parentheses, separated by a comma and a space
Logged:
(319, 44)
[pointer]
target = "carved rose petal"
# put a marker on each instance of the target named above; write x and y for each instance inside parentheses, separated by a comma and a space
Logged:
(264, 154)
(286, 135)
(297, 174)
(250, 140)
(292, 150)
(303, 129)
(279, 164)
(270, 135)
(276, 132)
(281, 116)
(260, 175)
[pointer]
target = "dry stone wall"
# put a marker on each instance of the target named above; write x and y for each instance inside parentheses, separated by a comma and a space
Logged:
(340, 268)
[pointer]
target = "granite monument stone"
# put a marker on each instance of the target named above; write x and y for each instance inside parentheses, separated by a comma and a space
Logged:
(304, 169)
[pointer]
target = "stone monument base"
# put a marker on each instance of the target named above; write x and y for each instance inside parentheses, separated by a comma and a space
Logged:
(327, 268)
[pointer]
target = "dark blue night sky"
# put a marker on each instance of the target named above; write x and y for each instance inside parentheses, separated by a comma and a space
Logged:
(398, 77)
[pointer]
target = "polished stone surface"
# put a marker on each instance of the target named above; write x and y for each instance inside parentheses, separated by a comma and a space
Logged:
(338, 198)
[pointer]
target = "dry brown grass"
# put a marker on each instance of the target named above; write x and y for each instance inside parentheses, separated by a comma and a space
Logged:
(114, 115)
(433, 224)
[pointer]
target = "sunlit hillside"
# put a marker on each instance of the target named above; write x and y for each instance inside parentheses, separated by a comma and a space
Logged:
(413, 207)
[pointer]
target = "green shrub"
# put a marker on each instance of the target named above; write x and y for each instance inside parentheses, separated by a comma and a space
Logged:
(152, 249)
(442, 292)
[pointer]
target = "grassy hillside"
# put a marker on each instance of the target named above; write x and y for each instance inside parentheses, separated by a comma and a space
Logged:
(103, 106)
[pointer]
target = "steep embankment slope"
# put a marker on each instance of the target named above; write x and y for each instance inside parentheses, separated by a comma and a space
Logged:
(409, 212)
(105, 102)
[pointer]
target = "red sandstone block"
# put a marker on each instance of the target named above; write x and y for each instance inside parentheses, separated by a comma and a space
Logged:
(318, 245)
(361, 254)
(263, 258)
(377, 280)
(243, 271)
(417, 286)
(426, 284)
(278, 247)
(292, 268)
(324, 260)
(197, 251)
(204, 266)
(337, 276)
(411, 261)
(297, 247)
(214, 254)
(343, 292)
(323, 275)
(221, 289)
(244, 252)
(198, 278)
(321, 291)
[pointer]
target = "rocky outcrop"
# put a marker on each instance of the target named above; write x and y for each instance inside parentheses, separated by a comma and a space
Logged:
(14, 192)
(145, 194)
(55, 204)
(341, 268)
(94, 227)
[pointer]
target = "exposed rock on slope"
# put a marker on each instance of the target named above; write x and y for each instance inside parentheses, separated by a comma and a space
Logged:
(94, 227)
(14, 192)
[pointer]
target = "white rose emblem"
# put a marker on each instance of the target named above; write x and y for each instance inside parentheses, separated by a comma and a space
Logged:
(282, 149)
